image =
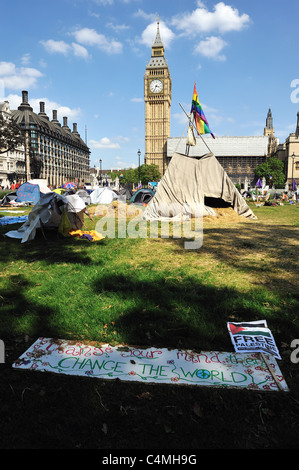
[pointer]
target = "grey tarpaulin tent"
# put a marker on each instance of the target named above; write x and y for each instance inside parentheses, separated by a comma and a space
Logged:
(48, 213)
(185, 185)
(84, 195)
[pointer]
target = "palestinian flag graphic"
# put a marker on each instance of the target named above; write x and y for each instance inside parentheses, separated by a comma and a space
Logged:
(249, 329)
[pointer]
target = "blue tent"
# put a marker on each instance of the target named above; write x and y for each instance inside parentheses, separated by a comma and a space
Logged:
(28, 192)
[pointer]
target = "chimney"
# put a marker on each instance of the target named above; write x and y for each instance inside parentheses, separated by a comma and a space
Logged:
(55, 117)
(25, 105)
(42, 110)
(297, 129)
(65, 122)
(25, 97)
(75, 129)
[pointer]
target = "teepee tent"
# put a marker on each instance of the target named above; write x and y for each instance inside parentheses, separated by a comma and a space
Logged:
(185, 185)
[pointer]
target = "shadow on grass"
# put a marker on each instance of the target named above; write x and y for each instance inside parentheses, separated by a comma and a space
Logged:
(15, 308)
(167, 313)
(55, 248)
(269, 251)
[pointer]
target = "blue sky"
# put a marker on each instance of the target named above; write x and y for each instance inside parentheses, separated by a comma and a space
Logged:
(87, 59)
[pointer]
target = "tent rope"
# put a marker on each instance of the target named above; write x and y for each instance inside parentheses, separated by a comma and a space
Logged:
(181, 138)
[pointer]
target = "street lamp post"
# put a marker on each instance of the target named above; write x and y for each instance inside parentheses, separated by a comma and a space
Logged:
(138, 153)
(293, 157)
(101, 171)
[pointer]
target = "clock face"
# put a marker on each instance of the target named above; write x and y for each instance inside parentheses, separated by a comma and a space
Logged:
(156, 86)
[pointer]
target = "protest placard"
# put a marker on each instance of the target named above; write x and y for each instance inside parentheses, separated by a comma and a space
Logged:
(253, 336)
(152, 365)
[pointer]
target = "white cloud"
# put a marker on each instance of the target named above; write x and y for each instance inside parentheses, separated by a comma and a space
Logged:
(14, 78)
(80, 51)
(122, 139)
(211, 47)
(61, 47)
(223, 19)
(137, 100)
(118, 28)
(30, 72)
(103, 2)
(7, 68)
(14, 100)
(53, 47)
(146, 16)
(104, 143)
(90, 37)
(26, 59)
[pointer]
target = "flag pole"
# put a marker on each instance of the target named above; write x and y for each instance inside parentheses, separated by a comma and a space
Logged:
(188, 116)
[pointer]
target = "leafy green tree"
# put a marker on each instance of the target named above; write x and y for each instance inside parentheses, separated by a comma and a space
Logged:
(147, 173)
(272, 171)
(11, 136)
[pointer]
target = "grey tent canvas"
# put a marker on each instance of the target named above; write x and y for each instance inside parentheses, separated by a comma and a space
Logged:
(186, 183)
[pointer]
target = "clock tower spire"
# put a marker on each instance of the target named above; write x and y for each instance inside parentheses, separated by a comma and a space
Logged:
(157, 96)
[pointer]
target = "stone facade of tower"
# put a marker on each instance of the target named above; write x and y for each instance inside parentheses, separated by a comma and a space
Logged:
(269, 132)
(157, 97)
(288, 152)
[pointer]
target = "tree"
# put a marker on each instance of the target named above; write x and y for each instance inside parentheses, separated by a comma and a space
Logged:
(128, 176)
(149, 173)
(272, 171)
(11, 136)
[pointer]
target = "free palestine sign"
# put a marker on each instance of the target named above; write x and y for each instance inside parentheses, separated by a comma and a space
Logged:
(153, 365)
(253, 336)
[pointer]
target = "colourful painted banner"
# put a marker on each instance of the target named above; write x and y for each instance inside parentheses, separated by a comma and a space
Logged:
(153, 365)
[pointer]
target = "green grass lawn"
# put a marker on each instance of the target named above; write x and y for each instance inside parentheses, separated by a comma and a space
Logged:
(149, 292)
(153, 291)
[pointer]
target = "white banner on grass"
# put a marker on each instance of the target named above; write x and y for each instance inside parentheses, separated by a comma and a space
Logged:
(152, 365)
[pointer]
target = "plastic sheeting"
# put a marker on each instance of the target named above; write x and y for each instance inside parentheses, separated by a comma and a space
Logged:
(48, 212)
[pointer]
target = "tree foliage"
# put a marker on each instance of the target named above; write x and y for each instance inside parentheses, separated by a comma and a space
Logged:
(146, 173)
(11, 136)
(272, 171)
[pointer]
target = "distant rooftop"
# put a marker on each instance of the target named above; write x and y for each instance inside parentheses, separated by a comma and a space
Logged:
(221, 146)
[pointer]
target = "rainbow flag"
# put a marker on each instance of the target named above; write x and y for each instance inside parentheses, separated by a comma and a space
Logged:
(202, 125)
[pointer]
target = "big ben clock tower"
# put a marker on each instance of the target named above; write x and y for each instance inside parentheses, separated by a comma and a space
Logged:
(157, 96)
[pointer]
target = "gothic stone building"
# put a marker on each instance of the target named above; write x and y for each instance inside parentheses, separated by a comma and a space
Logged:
(288, 152)
(52, 151)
